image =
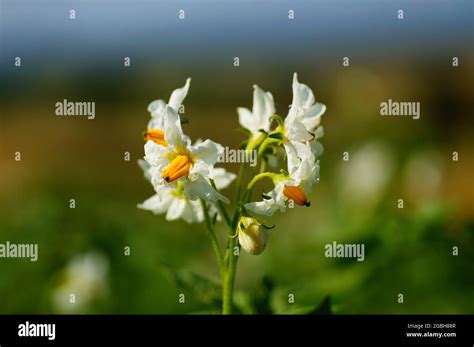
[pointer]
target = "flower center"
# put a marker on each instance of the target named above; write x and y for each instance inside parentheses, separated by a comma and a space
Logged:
(155, 135)
(296, 194)
(178, 167)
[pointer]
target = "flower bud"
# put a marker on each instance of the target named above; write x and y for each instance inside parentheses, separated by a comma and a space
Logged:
(252, 235)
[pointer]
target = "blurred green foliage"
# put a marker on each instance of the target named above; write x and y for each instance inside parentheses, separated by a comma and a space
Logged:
(408, 250)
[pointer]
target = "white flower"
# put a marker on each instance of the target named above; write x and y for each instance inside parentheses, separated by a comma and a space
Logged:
(253, 236)
(366, 176)
(222, 178)
(305, 114)
(157, 108)
(177, 160)
(303, 172)
(259, 118)
(302, 123)
(176, 204)
(85, 278)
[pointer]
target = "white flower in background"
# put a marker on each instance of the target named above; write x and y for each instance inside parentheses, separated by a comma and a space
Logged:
(175, 204)
(253, 236)
(178, 161)
(259, 118)
(85, 278)
(295, 186)
(365, 177)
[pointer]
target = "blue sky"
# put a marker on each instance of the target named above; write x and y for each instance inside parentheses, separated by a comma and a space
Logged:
(151, 28)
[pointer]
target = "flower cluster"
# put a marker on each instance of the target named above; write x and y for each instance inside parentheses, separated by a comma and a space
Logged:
(298, 135)
(187, 184)
(180, 172)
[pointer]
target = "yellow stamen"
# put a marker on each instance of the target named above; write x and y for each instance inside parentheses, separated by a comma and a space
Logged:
(155, 135)
(297, 195)
(178, 167)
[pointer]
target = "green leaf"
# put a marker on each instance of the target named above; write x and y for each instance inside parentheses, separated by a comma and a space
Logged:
(262, 299)
(203, 289)
(243, 303)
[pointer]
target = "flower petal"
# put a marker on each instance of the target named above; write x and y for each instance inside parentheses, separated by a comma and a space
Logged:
(143, 164)
(176, 210)
(303, 96)
(222, 178)
(173, 132)
(264, 208)
(293, 160)
(157, 108)
(200, 169)
(317, 148)
(296, 131)
(178, 95)
(207, 151)
(200, 188)
(319, 132)
(308, 166)
(268, 207)
(155, 154)
(247, 119)
(198, 211)
(263, 107)
(158, 203)
(312, 116)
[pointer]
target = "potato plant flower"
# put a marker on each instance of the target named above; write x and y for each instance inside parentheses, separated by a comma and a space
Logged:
(188, 185)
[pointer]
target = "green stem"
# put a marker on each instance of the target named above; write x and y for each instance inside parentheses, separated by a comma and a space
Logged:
(248, 190)
(231, 262)
(233, 248)
(239, 180)
(268, 141)
(229, 279)
(214, 241)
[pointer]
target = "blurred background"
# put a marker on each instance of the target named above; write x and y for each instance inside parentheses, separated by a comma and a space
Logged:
(81, 250)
